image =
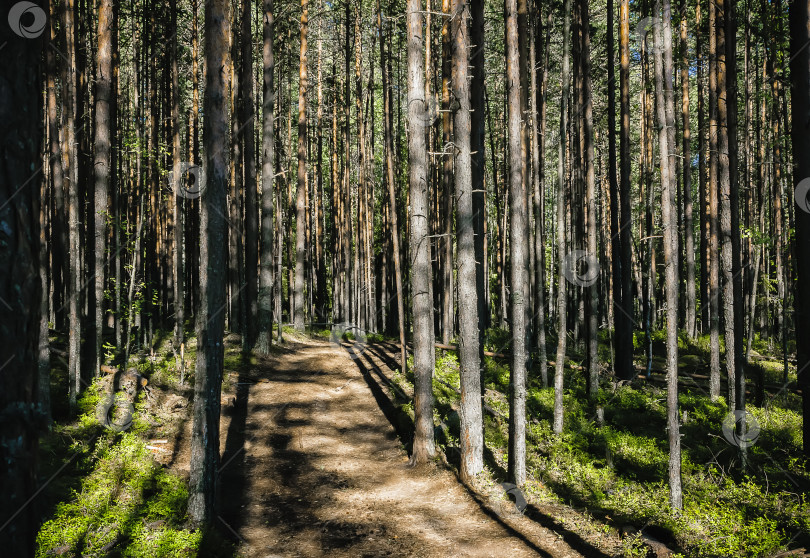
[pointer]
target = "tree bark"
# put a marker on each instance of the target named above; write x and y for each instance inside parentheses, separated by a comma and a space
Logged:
(248, 120)
(103, 135)
(472, 437)
(562, 307)
(179, 202)
(479, 187)
(70, 161)
(20, 289)
(538, 112)
(421, 272)
(800, 136)
(623, 322)
(666, 121)
(591, 301)
(299, 310)
(266, 273)
(204, 465)
(714, 245)
(688, 227)
(517, 213)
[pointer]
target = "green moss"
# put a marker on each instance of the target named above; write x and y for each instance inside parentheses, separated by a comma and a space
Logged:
(114, 499)
(125, 493)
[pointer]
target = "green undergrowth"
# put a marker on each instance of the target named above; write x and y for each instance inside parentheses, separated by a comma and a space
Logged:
(618, 471)
(108, 496)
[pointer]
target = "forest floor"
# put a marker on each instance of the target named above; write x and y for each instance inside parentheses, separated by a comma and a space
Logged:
(312, 466)
(315, 441)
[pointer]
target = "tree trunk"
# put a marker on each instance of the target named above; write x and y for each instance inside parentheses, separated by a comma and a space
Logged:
(266, 277)
(446, 257)
(103, 135)
(479, 187)
(562, 307)
(538, 111)
(421, 272)
(666, 121)
(472, 437)
(20, 132)
(688, 235)
(301, 209)
(713, 251)
(248, 121)
(623, 323)
(70, 161)
(800, 136)
(517, 393)
(591, 301)
(204, 465)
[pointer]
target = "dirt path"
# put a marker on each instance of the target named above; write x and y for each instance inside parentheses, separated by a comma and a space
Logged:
(312, 467)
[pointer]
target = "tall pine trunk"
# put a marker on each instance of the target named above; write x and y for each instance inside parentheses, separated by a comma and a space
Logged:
(421, 267)
(623, 323)
(266, 272)
(20, 289)
(666, 122)
(591, 300)
(299, 309)
(800, 136)
(688, 228)
(562, 305)
(213, 258)
(471, 438)
(102, 167)
(248, 121)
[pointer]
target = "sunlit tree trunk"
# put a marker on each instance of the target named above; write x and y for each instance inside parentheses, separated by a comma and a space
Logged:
(562, 314)
(102, 166)
(714, 245)
(299, 309)
(666, 121)
(421, 272)
(688, 234)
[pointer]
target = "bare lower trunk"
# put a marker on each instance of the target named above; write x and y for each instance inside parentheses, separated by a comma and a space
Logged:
(20, 136)
(204, 465)
(248, 121)
(666, 121)
(421, 272)
(266, 272)
(562, 316)
(299, 309)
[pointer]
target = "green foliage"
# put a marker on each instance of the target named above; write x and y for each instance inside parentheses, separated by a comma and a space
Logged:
(117, 500)
(619, 470)
(496, 375)
(497, 339)
(127, 500)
